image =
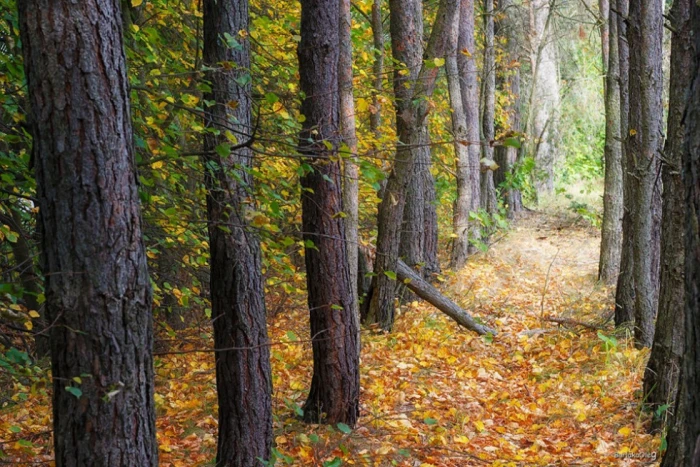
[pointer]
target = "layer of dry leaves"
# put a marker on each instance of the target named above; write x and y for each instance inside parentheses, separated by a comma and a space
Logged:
(432, 393)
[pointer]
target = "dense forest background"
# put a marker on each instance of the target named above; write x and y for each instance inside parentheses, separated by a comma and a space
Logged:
(328, 233)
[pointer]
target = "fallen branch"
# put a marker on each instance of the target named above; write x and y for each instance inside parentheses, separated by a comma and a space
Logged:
(573, 322)
(430, 294)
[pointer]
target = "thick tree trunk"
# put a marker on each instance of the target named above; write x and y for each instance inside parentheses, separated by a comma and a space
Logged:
(98, 297)
(684, 436)
(624, 297)
(467, 164)
(243, 377)
(489, 201)
(411, 111)
(350, 173)
(611, 242)
(375, 117)
(335, 386)
(645, 37)
(661, 375)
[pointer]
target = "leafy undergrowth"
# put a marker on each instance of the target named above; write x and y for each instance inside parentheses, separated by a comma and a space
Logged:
(538, 393)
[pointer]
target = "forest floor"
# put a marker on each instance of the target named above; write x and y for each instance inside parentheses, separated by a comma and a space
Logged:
(539, 393)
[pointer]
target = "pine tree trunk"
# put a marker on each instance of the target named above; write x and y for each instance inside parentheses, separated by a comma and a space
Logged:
(624, 297)
(243, 377)
(467, 170)
(488, 189)
(611, 242)
(684, 436)
(411, 111)
(351, 176)
(335, 385)
(645, 37)
(661, 375)
(98, 296)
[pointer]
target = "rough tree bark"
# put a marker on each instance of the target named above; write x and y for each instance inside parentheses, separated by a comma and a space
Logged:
(418, 244)
(411, 111)
(645, 37)
(489, 201)
(684, 437)
(611, 242)
(335, 385)
(624, 296)
(467, 165)
(605, 37)
(351, 176)
(98, 296)
(243, 376)
(661, 375)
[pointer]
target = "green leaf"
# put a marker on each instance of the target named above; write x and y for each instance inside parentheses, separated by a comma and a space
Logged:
(512, 142)
(15, 429)
(271, 98)
(292, 336)
(344, 428)
(430, 421)
(390, 274)
(336, 462)
(75, 391)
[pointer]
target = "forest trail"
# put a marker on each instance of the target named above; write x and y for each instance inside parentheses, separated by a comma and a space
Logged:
(435, 394)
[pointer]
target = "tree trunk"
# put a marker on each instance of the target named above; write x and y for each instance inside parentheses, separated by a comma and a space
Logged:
(605, 38)
(411, 111)
(684, 437)
(611, 242)
(624, 296)
(98, 297)
(243, 377)
(661, 375)
(335, 386)
(351, 174)
(467, 165)
(488, 86)
(508, 80)
(645, 36)
(375, 116)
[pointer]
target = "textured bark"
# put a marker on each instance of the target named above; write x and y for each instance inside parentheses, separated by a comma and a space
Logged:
(433, 296)
(243, 376)
(350, 169)
(624, 297)
(411, 111)
(661, 375)
(611, 242)
(335, 386)
(488, 88)
(375, 117)
(645, 37)
(467, 165)
(605, 37)
(684, 436)
(98, 296)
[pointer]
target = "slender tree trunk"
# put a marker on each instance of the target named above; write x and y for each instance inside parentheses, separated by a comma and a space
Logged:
(661, 375)
(624, 297)
(98, 297)
(411, 111)
(605, 37)
(645, 36)
(611, 243)
(684, 437)
(335, 386)
(243, 377)
(489, 201)
(467, 170)
(375, 116)
(351, 174)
